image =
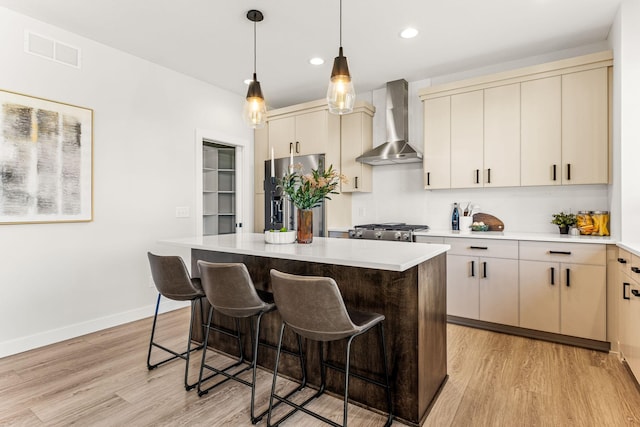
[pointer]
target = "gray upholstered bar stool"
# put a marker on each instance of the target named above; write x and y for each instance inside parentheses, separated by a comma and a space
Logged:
(230, 291)
(173, 281)
(313, 307)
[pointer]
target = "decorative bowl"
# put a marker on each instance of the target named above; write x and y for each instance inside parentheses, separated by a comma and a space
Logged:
(277, 237)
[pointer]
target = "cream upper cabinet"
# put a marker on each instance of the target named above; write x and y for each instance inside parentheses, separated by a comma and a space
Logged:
(356, 136)
(305, 133)
(467, 128)
(585, 127)
(437, 143)
(546, 124)
(541, 138)
(502, 136)
(260, 154)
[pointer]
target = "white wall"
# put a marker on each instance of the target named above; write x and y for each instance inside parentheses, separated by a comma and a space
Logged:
(399, 191)
(62, 280)
(626, 119)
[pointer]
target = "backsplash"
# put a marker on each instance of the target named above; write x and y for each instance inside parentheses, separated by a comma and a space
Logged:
(400, 196)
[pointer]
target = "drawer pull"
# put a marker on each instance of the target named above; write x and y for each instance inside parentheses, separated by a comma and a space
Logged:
(635, 269)
(290, 147)
(356, 182)
(428, 178)
(622, 260)
(553, 276)
(489, 176)
(478, 247)
(568, 277)
(635, 292)
(297, 146)
(473, 269)
(625, 286)
(484, 270)
(568, 171)
(477, 176)
(554, 172)
(560, 252)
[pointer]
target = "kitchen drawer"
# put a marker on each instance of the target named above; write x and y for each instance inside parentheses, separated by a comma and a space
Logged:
(624, 267)
(587, 253)
(429, 239)
(483, 247)
(634, 264)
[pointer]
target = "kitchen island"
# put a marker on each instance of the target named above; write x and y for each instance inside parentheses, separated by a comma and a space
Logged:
(405, 282)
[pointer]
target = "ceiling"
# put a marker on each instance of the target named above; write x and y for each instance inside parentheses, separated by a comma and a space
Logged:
(212, 40)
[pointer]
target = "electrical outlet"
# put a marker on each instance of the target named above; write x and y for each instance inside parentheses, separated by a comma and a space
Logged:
(182, 212)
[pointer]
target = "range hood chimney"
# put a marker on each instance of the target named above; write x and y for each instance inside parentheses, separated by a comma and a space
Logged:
(397, 148)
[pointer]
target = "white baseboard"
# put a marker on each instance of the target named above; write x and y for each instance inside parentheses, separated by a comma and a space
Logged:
(29, 342)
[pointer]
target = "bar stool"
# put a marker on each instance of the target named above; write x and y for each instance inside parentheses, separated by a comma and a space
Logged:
(230, 291)
(172, 280)
(313, 307)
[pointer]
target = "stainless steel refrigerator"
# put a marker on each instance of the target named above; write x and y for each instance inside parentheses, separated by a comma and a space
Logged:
(279, 211)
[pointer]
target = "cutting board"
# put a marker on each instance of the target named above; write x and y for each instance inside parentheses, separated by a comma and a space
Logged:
(494, 223)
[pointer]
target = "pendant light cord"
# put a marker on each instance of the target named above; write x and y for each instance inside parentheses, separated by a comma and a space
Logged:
(340, 23)
(254, 48)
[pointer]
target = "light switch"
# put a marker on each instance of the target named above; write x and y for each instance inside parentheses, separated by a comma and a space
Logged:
(182, 212)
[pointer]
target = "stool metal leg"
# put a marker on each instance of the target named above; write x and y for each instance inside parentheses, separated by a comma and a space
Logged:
(346, 380)
(184, 355)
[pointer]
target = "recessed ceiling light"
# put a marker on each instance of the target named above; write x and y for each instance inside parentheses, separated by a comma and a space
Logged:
(316, 61)
(409, 33)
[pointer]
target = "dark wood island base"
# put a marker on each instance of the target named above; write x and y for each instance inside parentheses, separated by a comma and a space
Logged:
(414, 304)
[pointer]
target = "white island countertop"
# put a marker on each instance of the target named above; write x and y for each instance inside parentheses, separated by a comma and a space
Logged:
(380, 255)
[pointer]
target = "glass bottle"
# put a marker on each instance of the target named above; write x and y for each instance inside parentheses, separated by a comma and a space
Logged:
(455, 218)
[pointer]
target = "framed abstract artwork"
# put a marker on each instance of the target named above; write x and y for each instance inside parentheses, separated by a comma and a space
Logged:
(46, 160)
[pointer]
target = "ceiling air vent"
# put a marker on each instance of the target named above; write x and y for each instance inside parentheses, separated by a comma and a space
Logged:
(46, 47)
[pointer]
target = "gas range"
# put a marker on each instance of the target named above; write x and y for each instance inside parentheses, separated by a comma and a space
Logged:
(398, 231)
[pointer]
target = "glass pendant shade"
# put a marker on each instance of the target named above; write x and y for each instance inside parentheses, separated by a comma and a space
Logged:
(255, 110)
(341, 96)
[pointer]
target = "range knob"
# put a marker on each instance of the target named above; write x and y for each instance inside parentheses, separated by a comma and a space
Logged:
(406, 237)
(397, 235)
(378, 234)
(359, 234)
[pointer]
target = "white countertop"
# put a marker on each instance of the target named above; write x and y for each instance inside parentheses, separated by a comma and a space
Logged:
(634, 248)
(539, 237)
(381, 255)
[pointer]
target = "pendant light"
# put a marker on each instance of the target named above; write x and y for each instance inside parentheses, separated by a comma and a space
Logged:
(340, 95)
(255, 110)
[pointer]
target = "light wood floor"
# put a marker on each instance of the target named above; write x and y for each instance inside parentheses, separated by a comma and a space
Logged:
(495, 380)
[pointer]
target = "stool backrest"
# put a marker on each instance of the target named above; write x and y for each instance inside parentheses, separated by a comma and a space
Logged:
(229, 289)
(312, 306)
(172, 279)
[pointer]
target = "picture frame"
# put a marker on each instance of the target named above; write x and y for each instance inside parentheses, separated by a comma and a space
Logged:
(46, 160)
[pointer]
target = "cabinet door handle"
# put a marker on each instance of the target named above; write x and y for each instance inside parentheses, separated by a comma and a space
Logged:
(622, 260)
(625, 286)
(554, 172)
(477, 176)
(428, 178)
(560, 252)
(635, 269)
(568, 171)
(553, 276)
(356, 182)
(297, 147)
(290, 147)
(489, 176)
(568, 277)
(484, 270)
(635, 292)
(473, 269)
(478, 247)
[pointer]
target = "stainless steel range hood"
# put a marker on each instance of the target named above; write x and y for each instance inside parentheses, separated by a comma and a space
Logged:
(397, 148)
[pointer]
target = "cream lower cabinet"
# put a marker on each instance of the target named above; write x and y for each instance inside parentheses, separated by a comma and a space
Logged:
(483, 287)
(629, 309)
(563, 288)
